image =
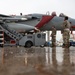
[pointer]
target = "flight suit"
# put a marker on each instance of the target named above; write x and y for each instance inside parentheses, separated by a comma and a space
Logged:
(66, 33)
(53, 35)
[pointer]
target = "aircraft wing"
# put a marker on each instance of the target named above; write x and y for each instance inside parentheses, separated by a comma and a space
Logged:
(2, 15)
(6, 18)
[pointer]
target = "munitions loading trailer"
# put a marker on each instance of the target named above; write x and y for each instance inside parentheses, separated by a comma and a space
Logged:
(12, 37)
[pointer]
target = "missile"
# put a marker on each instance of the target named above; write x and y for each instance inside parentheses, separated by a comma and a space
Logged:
(20, 27)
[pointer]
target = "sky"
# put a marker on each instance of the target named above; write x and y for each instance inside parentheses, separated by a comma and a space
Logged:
(16, 7)
(37, 6)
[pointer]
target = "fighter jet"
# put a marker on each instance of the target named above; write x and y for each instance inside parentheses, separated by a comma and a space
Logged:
(36, 21)
(45, 22)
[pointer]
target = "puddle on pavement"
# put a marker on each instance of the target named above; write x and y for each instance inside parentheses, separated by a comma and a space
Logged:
(37, 61)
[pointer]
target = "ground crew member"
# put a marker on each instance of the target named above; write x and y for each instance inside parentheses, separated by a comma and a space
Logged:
(53, 35)
(66, 32)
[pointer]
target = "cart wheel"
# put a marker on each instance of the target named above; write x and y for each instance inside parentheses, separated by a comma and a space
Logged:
(28, 44)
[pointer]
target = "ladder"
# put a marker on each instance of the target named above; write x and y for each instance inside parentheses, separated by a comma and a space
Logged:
(11, 32)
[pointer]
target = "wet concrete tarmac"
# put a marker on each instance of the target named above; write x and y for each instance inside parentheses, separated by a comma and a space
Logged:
(37, 61)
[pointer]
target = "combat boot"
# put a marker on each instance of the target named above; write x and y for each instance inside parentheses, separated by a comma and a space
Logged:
(53, 45)
(63, 46)
(67, 45)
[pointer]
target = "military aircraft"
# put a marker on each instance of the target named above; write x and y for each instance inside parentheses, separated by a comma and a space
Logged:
(35, 21)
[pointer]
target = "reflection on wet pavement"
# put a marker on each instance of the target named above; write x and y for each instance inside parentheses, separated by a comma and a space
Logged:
(37, 61)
